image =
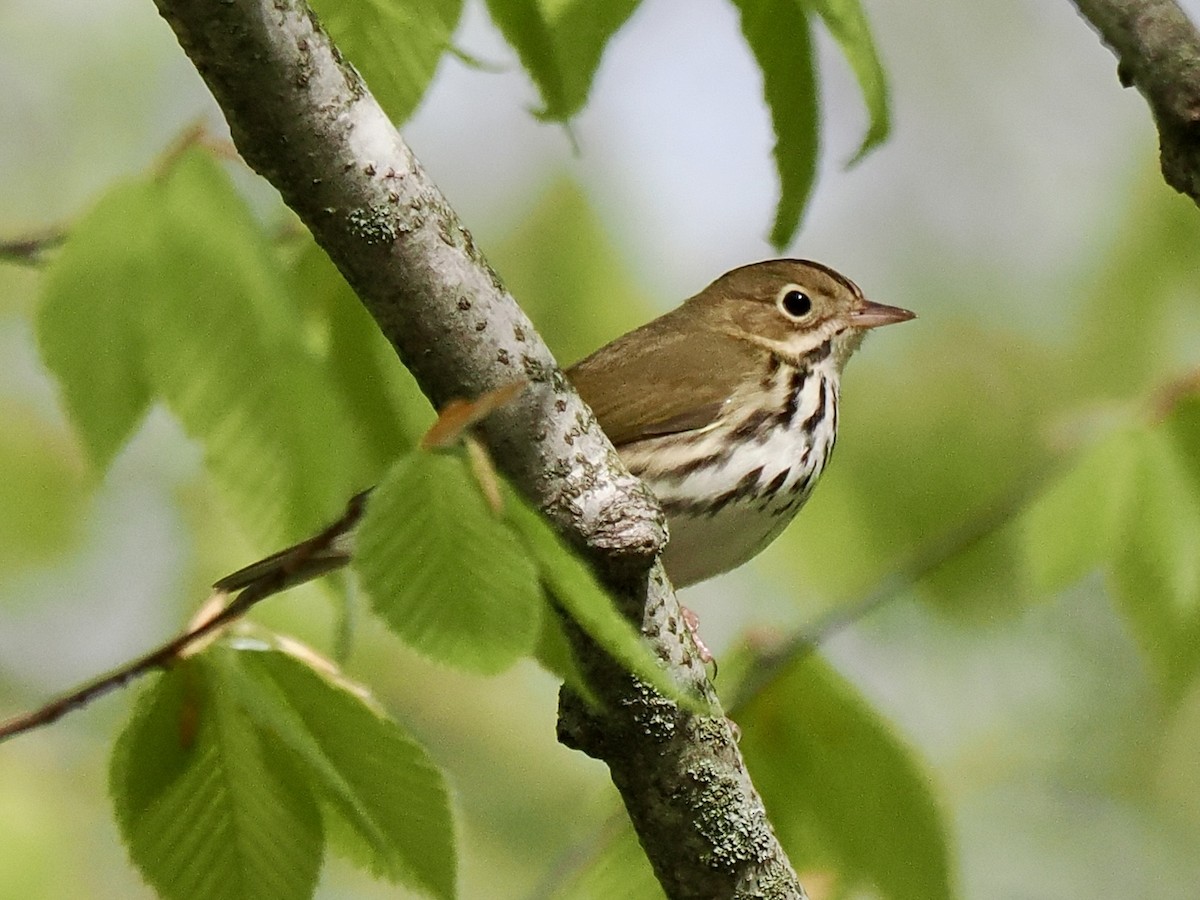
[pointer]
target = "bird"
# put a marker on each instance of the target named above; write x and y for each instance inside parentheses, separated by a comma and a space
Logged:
(726, 406)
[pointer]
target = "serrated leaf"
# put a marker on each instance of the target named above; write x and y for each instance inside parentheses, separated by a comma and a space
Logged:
(1156, 569)
(390, 800)
(560, 45)
(847, 22)
(395, 44)
(206, 807)
(571, 583)
(223, 345)
(89, 331)
(174, 291)
(443, 570)
(780, 39)
(841, 789)
(1075, 523)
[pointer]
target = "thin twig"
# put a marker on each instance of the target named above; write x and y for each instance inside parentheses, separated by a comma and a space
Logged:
(197, 134)
(31, 250)
(159, 658)
(306, 560)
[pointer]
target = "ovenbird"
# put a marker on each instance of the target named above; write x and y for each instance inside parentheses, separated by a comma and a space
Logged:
(727, 407)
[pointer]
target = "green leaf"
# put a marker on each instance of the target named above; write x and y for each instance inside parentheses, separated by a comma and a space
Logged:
(373, 388)
(560, 43)
(1074, 525)
(523, 24)
(842, 791)
(571, 583)
(581, 30)
(215, 779)
(444, 570)
(390, 802)
(395, 44)
(208, 807)
(779, 37)
(224, 346)
(847, 22)
(1156, 569)
(88, 324)
(170, 289)
(553, 652)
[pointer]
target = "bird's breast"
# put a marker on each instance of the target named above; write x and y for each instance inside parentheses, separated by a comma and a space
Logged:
(729, 490)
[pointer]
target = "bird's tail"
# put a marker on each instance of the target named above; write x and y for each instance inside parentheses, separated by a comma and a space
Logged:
(331, 549)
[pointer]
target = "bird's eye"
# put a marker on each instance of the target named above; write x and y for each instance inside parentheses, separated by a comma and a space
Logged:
(794, 303)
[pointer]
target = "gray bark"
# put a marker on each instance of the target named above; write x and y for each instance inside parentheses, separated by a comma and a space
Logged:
(1158, 52)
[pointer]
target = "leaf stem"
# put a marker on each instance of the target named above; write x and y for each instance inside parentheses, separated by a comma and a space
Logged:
(159, 658)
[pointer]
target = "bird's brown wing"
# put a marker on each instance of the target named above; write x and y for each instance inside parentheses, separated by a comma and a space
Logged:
(658, 380)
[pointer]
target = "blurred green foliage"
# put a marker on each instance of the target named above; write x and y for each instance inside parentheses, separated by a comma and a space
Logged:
(237, 762)
(43, 495)
(576, 287)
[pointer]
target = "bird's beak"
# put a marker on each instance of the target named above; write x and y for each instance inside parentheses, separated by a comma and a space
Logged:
(872, 315)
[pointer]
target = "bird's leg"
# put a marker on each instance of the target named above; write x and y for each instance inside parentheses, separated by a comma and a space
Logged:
(692, 621)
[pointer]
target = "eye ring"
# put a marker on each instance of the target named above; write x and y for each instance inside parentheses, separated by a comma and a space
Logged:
(794, 303)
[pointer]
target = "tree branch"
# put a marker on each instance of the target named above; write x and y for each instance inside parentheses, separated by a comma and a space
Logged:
(302, 117)
(1158, 52)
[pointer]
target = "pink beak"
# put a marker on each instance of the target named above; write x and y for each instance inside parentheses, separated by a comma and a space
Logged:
(872, 315)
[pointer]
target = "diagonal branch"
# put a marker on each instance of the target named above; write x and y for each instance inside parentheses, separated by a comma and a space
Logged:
(1158, 52)
(302, 117)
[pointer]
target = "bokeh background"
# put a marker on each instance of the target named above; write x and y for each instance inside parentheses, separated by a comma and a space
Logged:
(1016, 208)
